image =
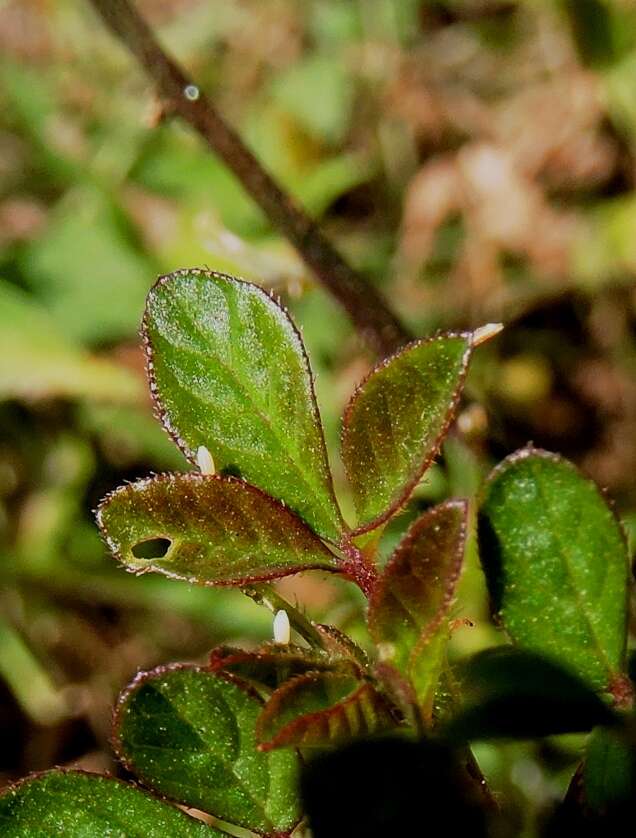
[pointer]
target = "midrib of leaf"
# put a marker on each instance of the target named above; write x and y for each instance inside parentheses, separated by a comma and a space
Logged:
(182, 714)
(567, 563)
(245, 392)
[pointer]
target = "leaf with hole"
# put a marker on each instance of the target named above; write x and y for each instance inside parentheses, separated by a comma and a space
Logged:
(323, 708)
(209, 530)
(556, 563)
(189, 734)
(514, 694)
(228, 371)
(408, 611)
(72, 803)
(396, 421)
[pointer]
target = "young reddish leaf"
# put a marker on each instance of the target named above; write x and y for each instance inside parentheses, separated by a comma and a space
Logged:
(338, 643)
(556, 564)
(228, 371)
(322, 708)
(408, 611)
(189, 734)
(73, 803)
(396, 421)
(271, 665)
(212, 530)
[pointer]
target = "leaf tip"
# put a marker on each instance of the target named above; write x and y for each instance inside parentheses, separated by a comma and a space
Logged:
(485, 333)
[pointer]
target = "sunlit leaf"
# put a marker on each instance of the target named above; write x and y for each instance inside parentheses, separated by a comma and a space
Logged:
(189, 734)
(228, 371)
(408, 611)
(322, 708)
(556, 563)
(511, 693)
(396, 421)
(207, 529)
(37, 360)
(74, 804)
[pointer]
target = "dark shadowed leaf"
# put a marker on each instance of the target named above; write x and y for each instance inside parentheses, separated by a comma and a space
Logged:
(609, 772)
(408, 611)
(323, 708)
(207, 529)
(77, 805)
(556, 563)
(390, 787)
(273, 664)
(396, 421)
(189, 734)
(228, 371)
(510, 693)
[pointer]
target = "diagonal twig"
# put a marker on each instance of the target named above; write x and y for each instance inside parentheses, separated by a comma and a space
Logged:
(369, 312)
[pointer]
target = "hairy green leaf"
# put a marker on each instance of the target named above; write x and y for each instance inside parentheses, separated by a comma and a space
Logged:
(190, 734)
(556, 563)
(408, 610)
(322, 708)
(273, 664)
(228, 371)
(72, 804)
(396, 421)
(511, 693)
(209, 530)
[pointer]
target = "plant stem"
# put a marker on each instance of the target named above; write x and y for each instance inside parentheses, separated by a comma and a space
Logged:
(371, 315)
(266, 595)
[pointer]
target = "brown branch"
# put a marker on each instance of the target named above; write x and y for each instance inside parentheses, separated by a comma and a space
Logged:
(178, 94)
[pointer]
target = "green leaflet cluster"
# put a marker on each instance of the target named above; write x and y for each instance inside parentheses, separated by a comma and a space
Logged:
(232, 385)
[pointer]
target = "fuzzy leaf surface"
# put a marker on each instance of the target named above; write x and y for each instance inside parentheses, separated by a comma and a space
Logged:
(228, 371)
(273, 664)
(556, 563)
(396, 421)
(72, 804)
(190, 734)
(408, 610)
(322, 708)
(221, 530)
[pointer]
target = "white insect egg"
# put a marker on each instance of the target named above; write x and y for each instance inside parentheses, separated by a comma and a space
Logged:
(282, 629)
(484, 333)
(205, 461)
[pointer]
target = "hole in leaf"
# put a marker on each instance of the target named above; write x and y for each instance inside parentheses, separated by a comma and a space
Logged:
(152, 548)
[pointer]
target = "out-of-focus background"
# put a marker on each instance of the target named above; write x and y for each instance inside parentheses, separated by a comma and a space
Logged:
(475, 158)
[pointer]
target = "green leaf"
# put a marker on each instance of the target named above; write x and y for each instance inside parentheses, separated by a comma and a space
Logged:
(189, 734)
(228, 371)
(511, 693)
(37, 360)
(322, 708)
(392, 787)
(556, 563)
(77, 805)
(408, 610)
(273, 664)
(396, 421)
(609, 771)
(208, 530)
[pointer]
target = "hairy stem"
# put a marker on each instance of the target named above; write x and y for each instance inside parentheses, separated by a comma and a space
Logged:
(369, 312)
(266, 595)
